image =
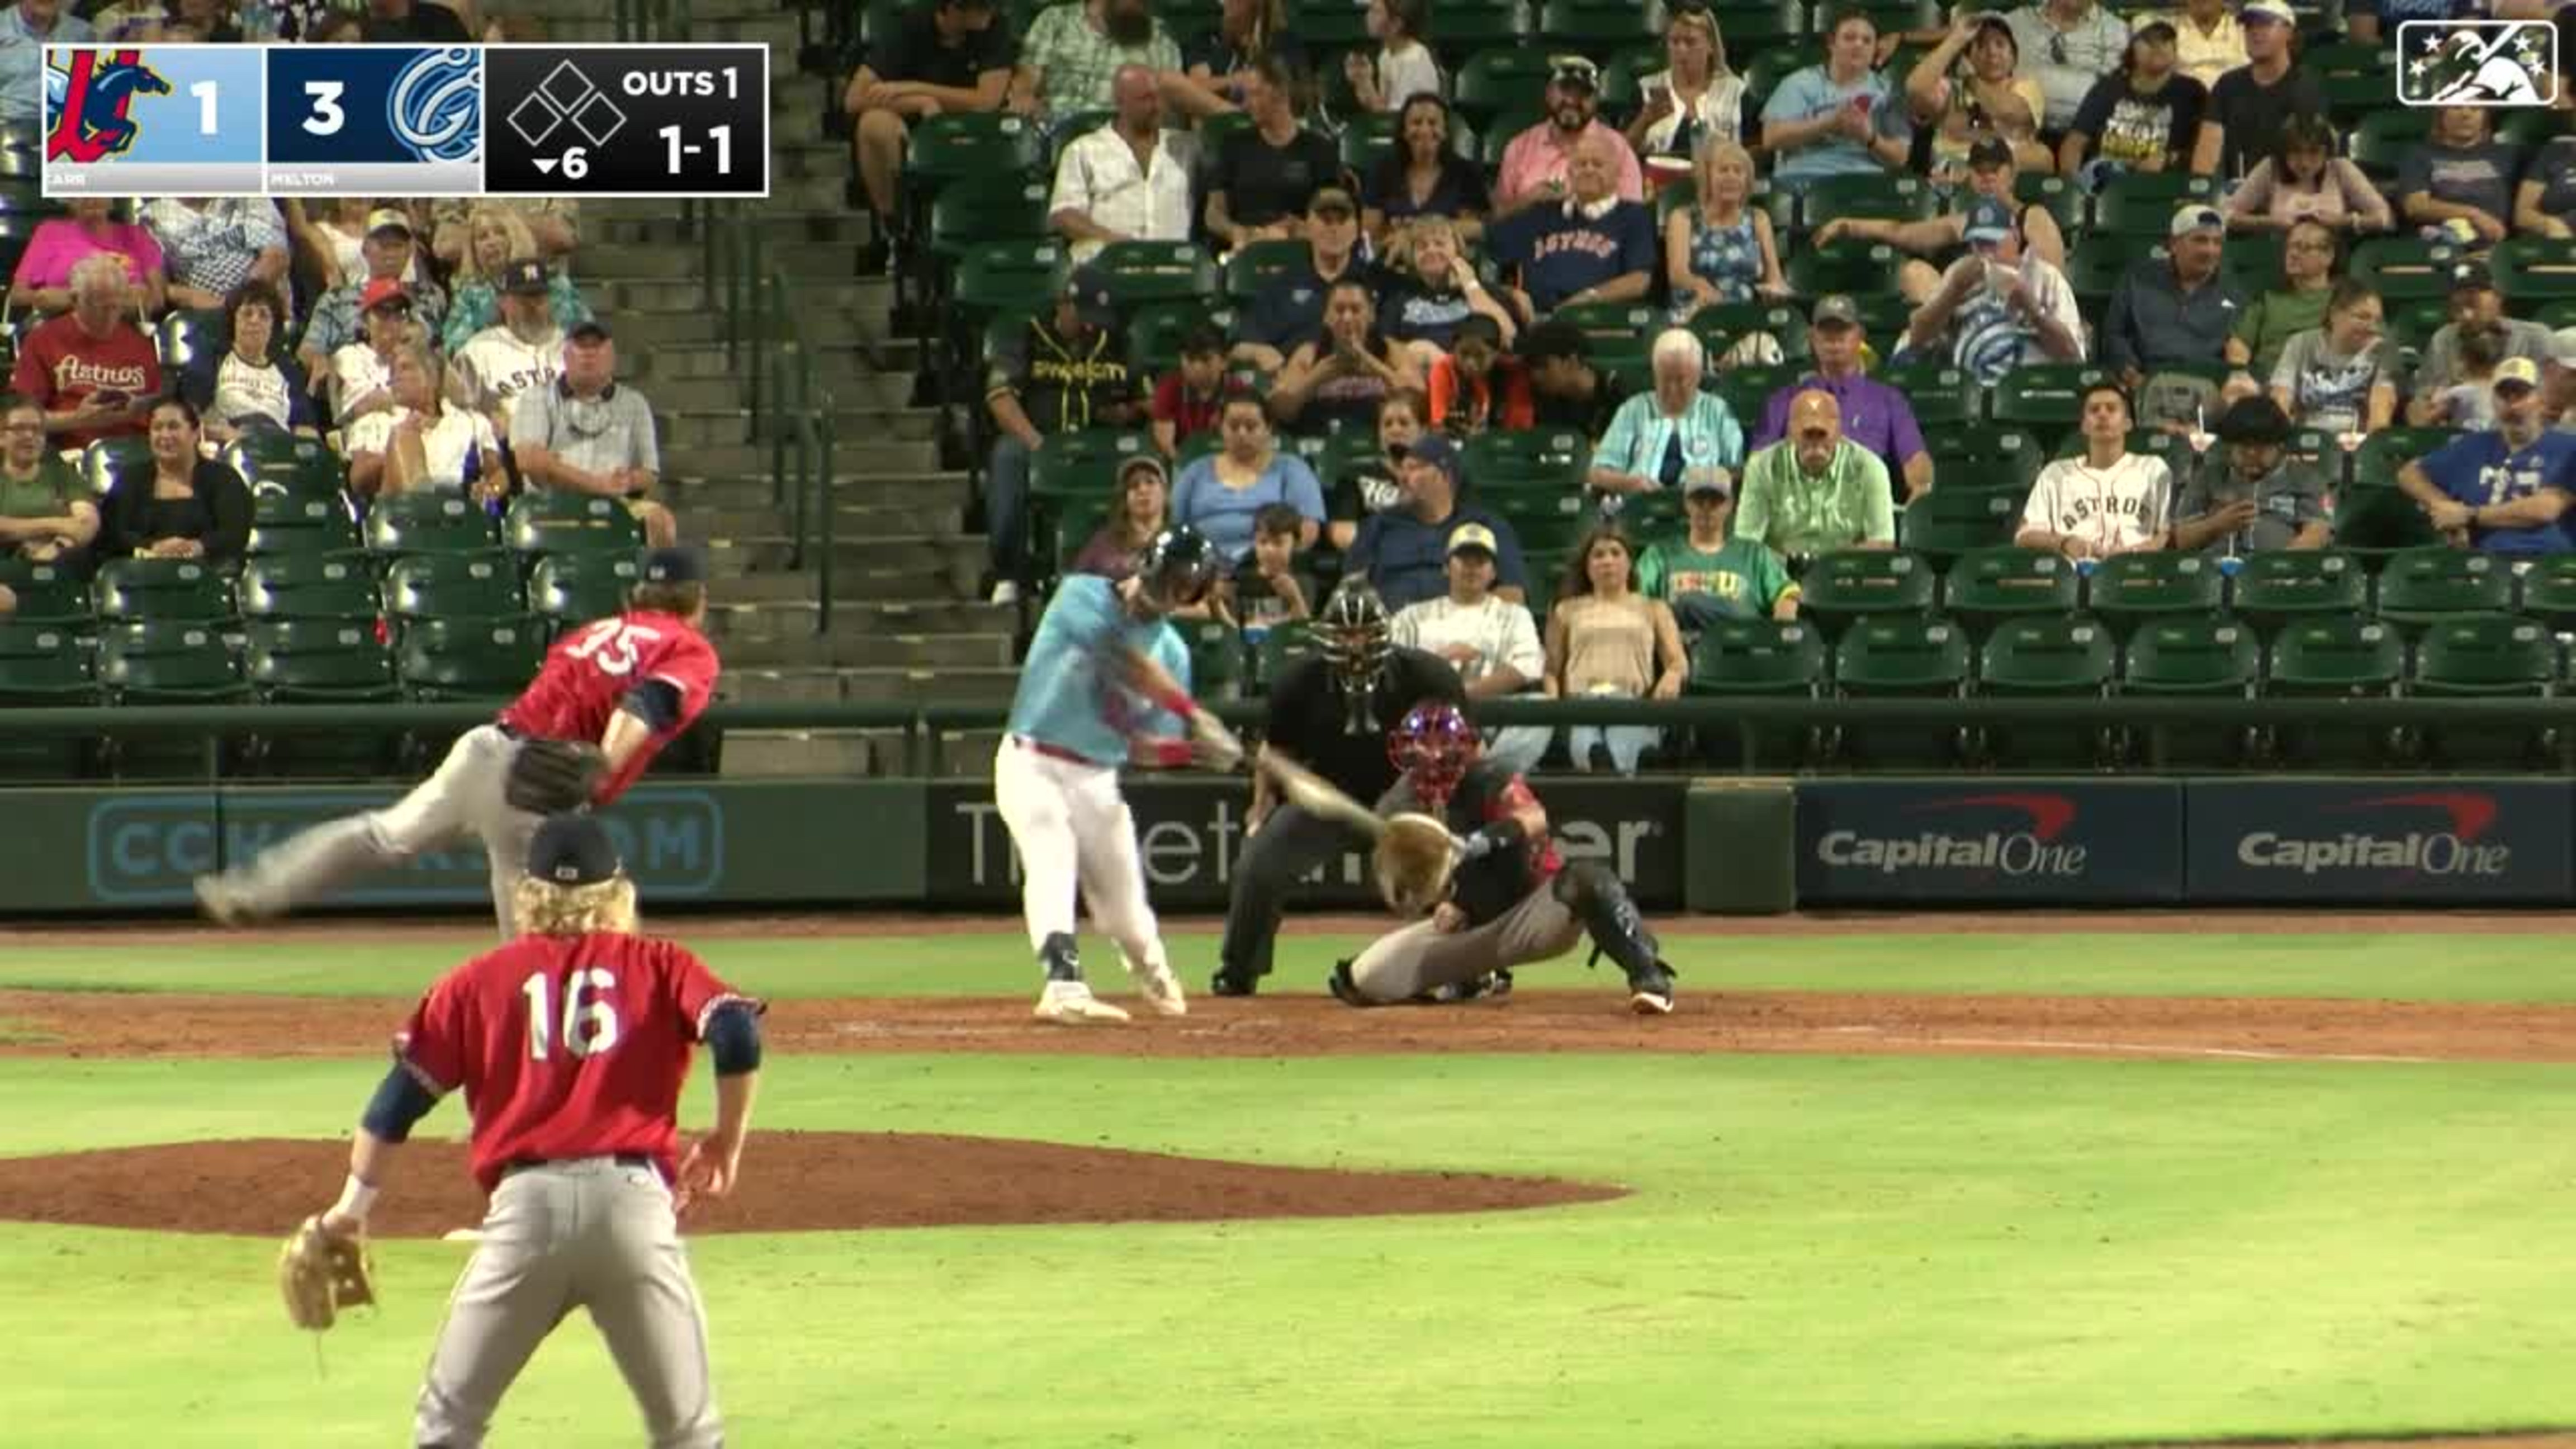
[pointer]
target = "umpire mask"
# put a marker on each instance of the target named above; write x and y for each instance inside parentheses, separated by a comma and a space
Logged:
(1351, 633)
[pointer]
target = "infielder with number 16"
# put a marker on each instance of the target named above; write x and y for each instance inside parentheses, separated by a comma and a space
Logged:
(1106, 684)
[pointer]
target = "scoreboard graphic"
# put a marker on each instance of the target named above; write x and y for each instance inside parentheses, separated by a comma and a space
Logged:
(152, 120)
(407, 120)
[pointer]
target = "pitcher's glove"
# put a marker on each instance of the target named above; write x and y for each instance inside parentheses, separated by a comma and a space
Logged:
(1413, 863)
(322, 1272)
(552, 777)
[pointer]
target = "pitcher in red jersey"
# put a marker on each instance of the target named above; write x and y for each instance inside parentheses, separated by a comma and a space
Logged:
(630, 684)
(571, 1044)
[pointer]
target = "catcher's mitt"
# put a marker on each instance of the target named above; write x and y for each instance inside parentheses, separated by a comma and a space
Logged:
(551, 777)
(1414, 861)
(322, 1273)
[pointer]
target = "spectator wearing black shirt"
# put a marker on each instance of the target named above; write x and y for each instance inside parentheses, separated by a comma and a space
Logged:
(1566, 390)
(1336, 382)
(394, 21)
(1422, 176)
(1213, 66)
(2460, 173)
(1433, 289)
(1267, 174)
(1289, 309)
(1063, 373)
(2250, 104)
(2144, 116)
(944, 56)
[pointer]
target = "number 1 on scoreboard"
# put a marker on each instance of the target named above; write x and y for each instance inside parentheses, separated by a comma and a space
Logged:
(721, 135)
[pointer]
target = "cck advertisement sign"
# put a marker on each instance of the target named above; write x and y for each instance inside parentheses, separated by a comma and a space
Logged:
(1190, 837)
(2401, 842)
(2001, 843)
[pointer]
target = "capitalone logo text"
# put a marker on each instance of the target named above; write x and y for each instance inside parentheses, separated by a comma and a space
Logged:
(2033, 851)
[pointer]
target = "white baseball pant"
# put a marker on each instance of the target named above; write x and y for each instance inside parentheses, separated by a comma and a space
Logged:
(1074, 833)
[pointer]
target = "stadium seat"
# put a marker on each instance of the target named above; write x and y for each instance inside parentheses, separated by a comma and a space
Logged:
(1941, 396)
(2273, 589)
(1892, 657)
(460, 588)
(1499, 79)
(2548, 591)
(1084, 464)
(338, 588)
(47, 593)
(984, 209)
(2374, 524)
(2338, 656)
(961, 144)
(2142, 203)
(2404, 268)
(2534, 271)
(110, 461)
(2484, 655)
(1154, 333)
(1329, 23)
(2380, 142)
(2095, 263)
(551, 521)
(1617, 336)
(569, 590)
(180, 590)
(2208, 655)
(2376, 461)
(2046, 397)
(2129, 590)
(1550, 464)
(1747, 390)
(168, 662)
(1217, 667)
(1955, 519)
(184, 336)
(317, 661)
(300, 523)
(1467, 28)
(1984, 588)
(43, 664)
(1596, 27)
(1282, 649)
(1885, 196)
(1719, 326)
(1252, 268)
(1844, 588)
(1985, 455)
(2046, 656)
(471, 660)
(1845, 266)
(2252, 262)
(2422, 586)
(408, 524)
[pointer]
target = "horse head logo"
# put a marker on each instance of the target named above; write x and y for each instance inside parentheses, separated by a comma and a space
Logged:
(95, 98)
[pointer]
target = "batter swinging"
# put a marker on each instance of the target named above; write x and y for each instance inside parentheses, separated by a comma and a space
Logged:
(1513, 900)
(1106, 683)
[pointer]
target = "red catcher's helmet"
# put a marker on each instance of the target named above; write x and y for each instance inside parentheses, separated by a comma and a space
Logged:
(1432, 746)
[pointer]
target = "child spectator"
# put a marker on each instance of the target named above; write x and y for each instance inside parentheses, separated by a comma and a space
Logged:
(1190, 401)
(1269, 587)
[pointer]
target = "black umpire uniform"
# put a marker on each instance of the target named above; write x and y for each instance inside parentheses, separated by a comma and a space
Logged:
(1313, 721)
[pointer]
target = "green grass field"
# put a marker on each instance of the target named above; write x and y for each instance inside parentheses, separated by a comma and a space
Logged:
(1818, 1250)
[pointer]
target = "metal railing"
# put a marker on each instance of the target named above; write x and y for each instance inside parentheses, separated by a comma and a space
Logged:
(766, 346)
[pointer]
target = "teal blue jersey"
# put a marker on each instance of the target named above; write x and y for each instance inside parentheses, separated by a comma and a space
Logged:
(1069, 697)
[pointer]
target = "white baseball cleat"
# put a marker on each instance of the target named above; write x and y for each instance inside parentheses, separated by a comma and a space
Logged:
(1070, 1003)
(1162, 990)
(219, 903)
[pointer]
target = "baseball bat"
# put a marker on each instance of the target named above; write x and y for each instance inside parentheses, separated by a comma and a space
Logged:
(1316, 795)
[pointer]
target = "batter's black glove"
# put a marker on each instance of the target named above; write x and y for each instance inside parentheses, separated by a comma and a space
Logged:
(552, 777)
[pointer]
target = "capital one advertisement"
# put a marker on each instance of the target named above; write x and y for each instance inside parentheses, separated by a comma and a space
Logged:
(2399, 842)
(2000, 842)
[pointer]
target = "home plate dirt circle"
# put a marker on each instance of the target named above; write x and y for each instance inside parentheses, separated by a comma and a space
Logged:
(791, 1182)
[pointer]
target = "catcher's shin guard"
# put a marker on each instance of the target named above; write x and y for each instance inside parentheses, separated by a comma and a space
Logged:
(1600, 901)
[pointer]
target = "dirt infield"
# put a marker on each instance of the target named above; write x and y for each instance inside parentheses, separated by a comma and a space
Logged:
(793, 1182)
(125, 1024)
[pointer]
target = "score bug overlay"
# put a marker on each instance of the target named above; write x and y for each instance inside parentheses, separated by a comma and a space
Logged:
(628, 120)
(152, 120)
(394, 120)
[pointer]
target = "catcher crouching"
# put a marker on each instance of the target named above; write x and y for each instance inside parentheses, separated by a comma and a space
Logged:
(1511, 899)
(571, 1044)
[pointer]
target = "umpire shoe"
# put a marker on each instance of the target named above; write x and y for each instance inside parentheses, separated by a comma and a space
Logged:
(1493, 985)
(1226, 983)
(1070, 1003)
(1650, 991)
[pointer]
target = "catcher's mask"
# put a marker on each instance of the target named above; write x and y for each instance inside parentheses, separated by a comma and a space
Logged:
(1432, 746)
(1177, 568)
(1351, 633)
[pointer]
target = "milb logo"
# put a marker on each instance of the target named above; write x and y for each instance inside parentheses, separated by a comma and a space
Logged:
(2033, 850)
(2452, 852)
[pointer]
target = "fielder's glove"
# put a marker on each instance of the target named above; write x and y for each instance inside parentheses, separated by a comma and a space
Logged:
(553, 777)
(1413, 863)
(321, 1273)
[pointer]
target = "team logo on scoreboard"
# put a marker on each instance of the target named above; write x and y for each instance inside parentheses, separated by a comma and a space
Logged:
(436, 105)
(91, 97)
(2501, 63)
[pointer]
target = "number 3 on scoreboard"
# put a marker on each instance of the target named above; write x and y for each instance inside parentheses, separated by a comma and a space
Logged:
(327, 117)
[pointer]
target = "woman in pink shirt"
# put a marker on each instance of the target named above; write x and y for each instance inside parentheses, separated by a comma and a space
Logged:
(44, 276)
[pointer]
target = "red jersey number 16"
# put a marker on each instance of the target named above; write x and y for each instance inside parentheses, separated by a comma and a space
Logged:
(614, 645)
(589, 1016)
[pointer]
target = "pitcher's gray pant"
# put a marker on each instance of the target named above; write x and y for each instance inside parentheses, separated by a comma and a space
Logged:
(1405, 963)
(1288, 844)
(464, 797)
(588, 1233)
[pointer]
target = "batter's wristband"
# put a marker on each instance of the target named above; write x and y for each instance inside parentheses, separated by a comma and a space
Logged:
(1170, 753)
(1177, 701)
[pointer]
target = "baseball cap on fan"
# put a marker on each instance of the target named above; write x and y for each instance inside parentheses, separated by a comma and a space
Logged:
(1989, 222)
(2276, 11)
(385, 218)
(2194, 216)
(382, 292)
(1472, 536)
(573, 850)
(675, 566)
(2516, 372)
(525, 277)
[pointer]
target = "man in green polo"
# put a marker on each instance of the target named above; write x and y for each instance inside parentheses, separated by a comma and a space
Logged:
(46, 515)
(1816, 491)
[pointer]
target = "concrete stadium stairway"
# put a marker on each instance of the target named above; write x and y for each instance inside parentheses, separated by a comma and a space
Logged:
(908, 624)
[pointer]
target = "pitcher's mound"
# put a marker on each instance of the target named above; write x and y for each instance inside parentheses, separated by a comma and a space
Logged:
(791, 1182)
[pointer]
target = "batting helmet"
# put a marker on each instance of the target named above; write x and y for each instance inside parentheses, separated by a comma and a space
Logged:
(1177, 567)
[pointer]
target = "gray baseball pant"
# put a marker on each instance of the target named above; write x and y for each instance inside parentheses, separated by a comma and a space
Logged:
(588, 1233)
(1404, 963)
(463, 798)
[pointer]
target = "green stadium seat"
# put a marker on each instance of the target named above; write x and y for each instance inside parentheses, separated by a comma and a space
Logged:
(110, 461)
(2380, 142)
(1084, 464)
(318, 661)
(1895, 657)
(1500, 79)
(325, 516)
(1141, 273)
(1747, 390)
(963, 144)
(2096, 262)
(180, 590)
(569, 590)
(2129, 590)
(1983, 589)
(460, 588)
(1719, 326)
(2548, 591)
(978, 211)
(2534, 271)
(2208, 655)
(1621, 90)
(2339, 656)
(551, 521)
(1329, 22)
(1941, 396)
(1154, 334)
(1618, 336)
(1003, 277)
(1596, 27)
(1467, 28)
(1252, 268)
(2142, 203)
(1886, 196)
(186, 335)
(43, 664)
(1217, 666)
(1549, 464)
(419, 523)
(2275, 589)
(1985, 455)
(1848, 587)
(160, 661)
(337, 588)
(2374, 524)
(2045, 397)
(442, 660)
(2376, 461)
(47, 593)
(1281, 650)
(2404, 268)
(1846, 266)
(2051, 656)
(2486, 656)
(2252, 262)
(2423, 586)
(1955, 519)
